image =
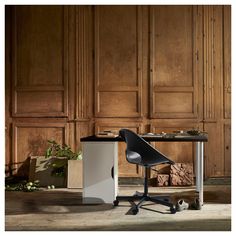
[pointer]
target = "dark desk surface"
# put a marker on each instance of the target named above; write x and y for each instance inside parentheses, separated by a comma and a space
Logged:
(152, 138)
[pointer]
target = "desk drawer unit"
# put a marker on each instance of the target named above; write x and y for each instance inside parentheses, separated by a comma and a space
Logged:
(100, 177)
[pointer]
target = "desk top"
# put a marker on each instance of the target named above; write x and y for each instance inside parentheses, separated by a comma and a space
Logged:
(152, 138)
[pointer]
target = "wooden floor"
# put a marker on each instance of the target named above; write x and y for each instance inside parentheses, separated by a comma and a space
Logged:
(62, 209)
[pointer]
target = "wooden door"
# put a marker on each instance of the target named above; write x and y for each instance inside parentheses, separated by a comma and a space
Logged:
(175, 62)
(118, 73)
(217, 89)
(50, 79)
(176, 75)
(39, 80)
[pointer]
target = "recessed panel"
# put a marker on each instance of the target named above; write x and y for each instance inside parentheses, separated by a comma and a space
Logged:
(214, 151)
(39, 45)
(116, 42)
(172, 102)
(39, 102)
(118, 104)
(227, 148)
(179, 152)
(31, 140)
(172, 44)
(125, 168)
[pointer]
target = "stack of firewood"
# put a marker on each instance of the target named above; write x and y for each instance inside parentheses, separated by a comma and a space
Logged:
(181, 174)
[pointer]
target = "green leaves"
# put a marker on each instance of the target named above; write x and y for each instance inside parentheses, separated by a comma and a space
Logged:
(23, 186)
(79, 156)
(48, 152)
(58, 150)
(59, 165)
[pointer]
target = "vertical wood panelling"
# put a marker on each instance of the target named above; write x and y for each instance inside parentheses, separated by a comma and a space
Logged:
(40, 67)
(30, 139)
(41, 76)
(216, 89)
(83, 62)
(125, 169)
(72, 64)
(209, 111)
(213, 62)
(176, 151)
(118, 61)
(8, 119)
(84, 74)
(214, 152)
(175, 56)
(227, 89)
(198, 61)
(227, 149)
(78, 70)
(227, 62)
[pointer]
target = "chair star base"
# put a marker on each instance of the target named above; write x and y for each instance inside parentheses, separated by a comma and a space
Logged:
(163, 200)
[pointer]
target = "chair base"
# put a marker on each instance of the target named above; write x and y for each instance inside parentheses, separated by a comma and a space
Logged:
(163, 200)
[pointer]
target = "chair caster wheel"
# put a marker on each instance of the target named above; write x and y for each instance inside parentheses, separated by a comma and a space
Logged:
(115, 203)
(172, 210)
(135, 211)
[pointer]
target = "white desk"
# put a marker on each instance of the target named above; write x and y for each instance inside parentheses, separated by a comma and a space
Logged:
(100, 166)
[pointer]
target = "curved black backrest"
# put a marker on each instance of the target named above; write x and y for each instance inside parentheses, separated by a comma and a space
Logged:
(147, 154)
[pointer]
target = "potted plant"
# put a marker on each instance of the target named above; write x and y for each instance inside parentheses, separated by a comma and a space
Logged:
(67, 163)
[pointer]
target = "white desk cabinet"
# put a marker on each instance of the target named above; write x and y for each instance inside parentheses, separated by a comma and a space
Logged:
(100, 177)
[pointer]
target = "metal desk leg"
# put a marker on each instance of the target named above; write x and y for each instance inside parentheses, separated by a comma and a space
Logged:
(199, 170)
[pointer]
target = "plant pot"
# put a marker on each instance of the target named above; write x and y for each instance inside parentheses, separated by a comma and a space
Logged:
(41, 170)
(74, 174)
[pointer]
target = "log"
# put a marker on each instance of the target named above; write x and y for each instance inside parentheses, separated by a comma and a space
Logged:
(181, 174)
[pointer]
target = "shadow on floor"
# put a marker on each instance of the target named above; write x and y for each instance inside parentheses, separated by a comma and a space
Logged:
(60, 201)
(49, 202)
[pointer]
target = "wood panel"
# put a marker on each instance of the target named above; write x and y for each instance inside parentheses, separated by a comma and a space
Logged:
(227, 61)
(28, 102)
(227, 150)
(175, 58)
(118, 103)
(84, 64)
(227, 88)
(217, 89)
(179, 152)
(40, 60)
(125, 169)
(82, 129)
(214, 150)
(8, 119)
(213, 62)
(176, 102)
(30, 139)
(183, 152)
(147, 68)
(118, 60)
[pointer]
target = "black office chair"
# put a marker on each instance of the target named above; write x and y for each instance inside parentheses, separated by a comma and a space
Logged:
(142, 153)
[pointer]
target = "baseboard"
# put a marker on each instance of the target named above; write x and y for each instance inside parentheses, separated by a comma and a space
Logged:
(130, 181)
(139, 181)
(218, 181)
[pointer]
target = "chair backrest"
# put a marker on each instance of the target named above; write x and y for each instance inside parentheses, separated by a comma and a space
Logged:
(136, 144)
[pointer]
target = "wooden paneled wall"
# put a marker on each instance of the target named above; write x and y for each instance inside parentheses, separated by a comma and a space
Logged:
(217, 89)
(72, 71)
